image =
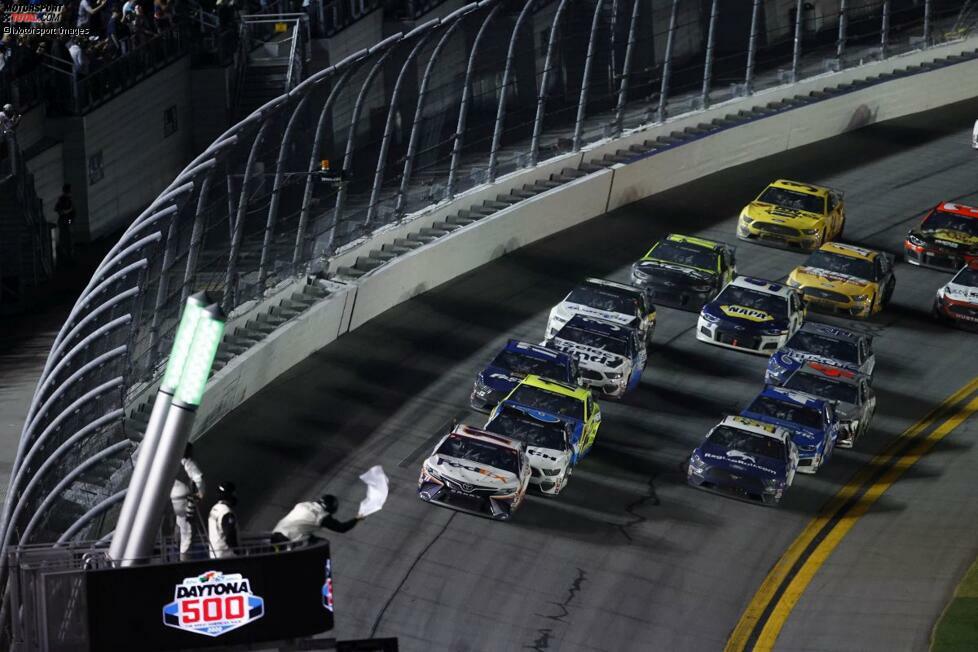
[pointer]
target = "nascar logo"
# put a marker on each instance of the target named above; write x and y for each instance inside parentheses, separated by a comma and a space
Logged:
(743, 312)
(213, 604)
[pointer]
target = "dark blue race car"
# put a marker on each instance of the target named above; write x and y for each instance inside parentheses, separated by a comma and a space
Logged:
(823, 343)
(514, 363)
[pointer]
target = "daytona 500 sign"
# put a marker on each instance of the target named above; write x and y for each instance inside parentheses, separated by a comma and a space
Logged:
(213, 604)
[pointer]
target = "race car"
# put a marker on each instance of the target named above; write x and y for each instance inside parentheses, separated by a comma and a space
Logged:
(611, 357)
(514, 363)
(747, 458)
(615, 302)
(855, 402)
(684, 272)
(572, 405)
(947, 238)
(547, 440)
(475, 471)
(822, 343)
(751, 314)
(812, 422)
(793, 215)
(845, 279)
(957, 301)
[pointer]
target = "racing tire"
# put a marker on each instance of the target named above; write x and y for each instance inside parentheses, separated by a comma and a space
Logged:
(842, 229)
(888, 293)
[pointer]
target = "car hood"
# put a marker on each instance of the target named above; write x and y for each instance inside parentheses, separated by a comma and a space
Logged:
(828, 280)
(949, 238)
(472, 473)
(801, 356)
(796, 219)
(499, 379)
(674, 271)
(589, 356)
(567, 310)
(547, 458)
(748, 318)
(963, 293)
(549, 417)
(847, 411)
(737, 461)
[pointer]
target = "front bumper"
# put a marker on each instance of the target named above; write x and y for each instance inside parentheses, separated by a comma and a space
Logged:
(721, 335)
(926, 256)
(842, 305)
(485, 402)
(674, 296)
(761, 232)
(809, 462)
(549, 485)
(962, 315)
(724, 483)
(599, 381)
(499, 507)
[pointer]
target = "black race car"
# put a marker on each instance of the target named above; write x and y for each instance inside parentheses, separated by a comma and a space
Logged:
(684, 272)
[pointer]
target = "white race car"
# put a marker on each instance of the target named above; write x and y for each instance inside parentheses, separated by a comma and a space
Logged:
(615, 302)
(547, 443)
(957, 301)
(611, 357)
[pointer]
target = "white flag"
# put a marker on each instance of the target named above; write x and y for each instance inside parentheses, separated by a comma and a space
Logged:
(377, 484)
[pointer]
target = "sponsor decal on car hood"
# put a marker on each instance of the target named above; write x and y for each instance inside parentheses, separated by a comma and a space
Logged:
(472, 473)
(589, 356)
(747, 318)
(802, 356)
(741, 462)
(500, 379)
(651, 266)
(792, 217)
(957, 292)
(824, 278)
(546, 458)
(743, 312)
(568, 310)
(951, 237)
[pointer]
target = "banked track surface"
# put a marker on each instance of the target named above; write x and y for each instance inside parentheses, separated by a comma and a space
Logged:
(628, 557)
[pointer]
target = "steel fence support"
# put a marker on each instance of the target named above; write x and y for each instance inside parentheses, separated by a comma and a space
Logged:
(230, 280)
(232, 207)
(196, 238)
(927, 8)
(752, 48)
(161, 289)
(544, 79)
(796, 50)
(710, 45)
(626, 69)
(497, 132)
(464, 104)
(840, 43)
(667, 63)
(85, 518)
(586, 82)
(613, 28)
(885, 29)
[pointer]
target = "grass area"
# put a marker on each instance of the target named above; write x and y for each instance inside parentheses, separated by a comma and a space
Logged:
(957, 630)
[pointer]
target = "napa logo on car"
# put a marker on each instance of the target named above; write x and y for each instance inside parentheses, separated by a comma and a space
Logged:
(743, 312)
(213, 604)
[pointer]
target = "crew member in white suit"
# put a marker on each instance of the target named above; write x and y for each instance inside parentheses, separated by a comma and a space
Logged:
(222, 524)
(188, 489)
(310, 521)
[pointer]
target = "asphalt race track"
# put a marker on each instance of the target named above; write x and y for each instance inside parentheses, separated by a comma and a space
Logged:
(628, 557)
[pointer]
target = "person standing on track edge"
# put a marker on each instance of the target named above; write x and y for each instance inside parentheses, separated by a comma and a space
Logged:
(222, 524)
(187, 491)
(311, 521)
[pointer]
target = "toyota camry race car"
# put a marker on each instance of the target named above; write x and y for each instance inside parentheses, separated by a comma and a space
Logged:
(748, 458)
(513, 364)
(475, 471)
(957, 301)
(572, 405)
(751, 314)
(611, 357)
(855, 402)
(793, 215)
(947, 239)
(845, 279)
(822, 343)
(811, 421)
(614, 302)
(547, 443)
(684, 272)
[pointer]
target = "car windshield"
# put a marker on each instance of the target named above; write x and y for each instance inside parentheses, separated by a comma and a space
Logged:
(966, 276)
(541, 399)
(526, 365)
(741, 296)
(939, 221)
(688, 255)
(602, 299)
(824, 388)
(597, 340)
(481, 452)
(827, 347)
(786, 411)
(793, 199)
(515, 424)
(858, 267)
(747, 442)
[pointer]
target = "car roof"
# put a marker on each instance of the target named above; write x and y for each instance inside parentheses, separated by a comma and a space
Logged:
(537, 351)
(712, 245)
(958, 209)
(833, 332)
(793, 396)
(829, 371)
(798, 186)
(612, 285)
(849, 251)
(580, 393)
(597, 325)
(756, 427)
(471, 432)
(762, 285)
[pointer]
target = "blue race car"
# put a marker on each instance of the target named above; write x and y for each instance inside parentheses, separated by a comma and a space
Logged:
(747, 458)
(812, 422)
(822, 343)
(751, 314)
(514, 363)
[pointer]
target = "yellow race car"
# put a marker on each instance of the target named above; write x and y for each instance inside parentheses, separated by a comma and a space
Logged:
(844, 279)
(793, 215)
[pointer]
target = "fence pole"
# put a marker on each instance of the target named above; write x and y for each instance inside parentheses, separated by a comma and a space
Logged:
(667, 63)
(586, 82)
(752, 48)
(796, 52)
(230, 282)
(626, 69)
(927, 8)
(885, 29)
(710, 44)
(544, 79)
(196, 237)
(497, 132)
(840, 45)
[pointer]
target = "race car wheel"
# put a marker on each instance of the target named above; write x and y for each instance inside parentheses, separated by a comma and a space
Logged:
(888, 293)
(842, 228)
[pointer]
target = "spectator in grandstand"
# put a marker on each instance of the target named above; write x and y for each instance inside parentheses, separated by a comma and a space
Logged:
(8, 120)
(117, 31)
(78, 59)
(139, 26)
(161, 15)
(222, 524)
(87, 15)
(128, 9)
(65, 208)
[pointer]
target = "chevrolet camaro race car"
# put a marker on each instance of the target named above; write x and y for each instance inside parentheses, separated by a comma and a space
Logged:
(513, 364)
(547, 443)
(947, 239)
(751, 314)
(475, 471)
(811, 421)
(793, 215)
(822, 343)
(957, 301)
(845, 279)
(684, 272)
(614, 302)
(611, 357)
(573, 405)
(747, 458)
(855, 402)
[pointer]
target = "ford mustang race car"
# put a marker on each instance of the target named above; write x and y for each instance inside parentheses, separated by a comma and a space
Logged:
(748, 458)
(611, 357)
(547, 443)
(812, 422)
(574, 406)
(513, 364)
(475, 471)
(855, 402)
(684, 272)
(793, 215)
(845, 279)
(822, 343)
(751, 314)
(947, 239)
(957, 301)
(615, 302)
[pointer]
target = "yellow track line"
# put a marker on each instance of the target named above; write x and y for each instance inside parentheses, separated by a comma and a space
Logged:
(779, 573)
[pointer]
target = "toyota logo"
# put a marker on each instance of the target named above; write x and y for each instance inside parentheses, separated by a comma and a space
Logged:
(467, 488)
